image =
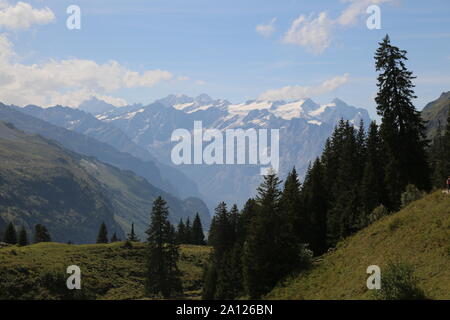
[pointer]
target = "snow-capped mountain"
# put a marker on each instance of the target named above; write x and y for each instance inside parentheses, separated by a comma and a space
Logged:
(304, 126)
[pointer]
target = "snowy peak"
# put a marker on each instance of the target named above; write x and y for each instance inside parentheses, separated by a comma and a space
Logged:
(262, 113)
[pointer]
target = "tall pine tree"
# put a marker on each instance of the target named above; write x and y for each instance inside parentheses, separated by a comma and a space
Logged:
(198, 237)
(402, 128)
(132, 235)
(163, 275)
(23, 237)
(10, 235)
(102, 236)
(41, 234)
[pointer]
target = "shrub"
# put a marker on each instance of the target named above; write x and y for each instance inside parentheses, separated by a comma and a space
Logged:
(397, 222)
(378, 213)
(398, 283)
(305, 256)
(411, 194)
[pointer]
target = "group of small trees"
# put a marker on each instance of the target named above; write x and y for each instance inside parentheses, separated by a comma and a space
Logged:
(257, 246)
(358, 172)
(162, 252)
(187, 234)
(11, 236)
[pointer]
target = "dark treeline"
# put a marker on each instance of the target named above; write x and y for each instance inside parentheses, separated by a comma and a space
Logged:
(187, 234)
(12, 236)
(360, 173)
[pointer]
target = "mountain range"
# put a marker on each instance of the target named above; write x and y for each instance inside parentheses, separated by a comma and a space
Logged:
(125, 152)
(144, 132)
(129, 195)
(304, 127)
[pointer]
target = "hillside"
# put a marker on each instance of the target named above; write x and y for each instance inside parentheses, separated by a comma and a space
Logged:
(108, 271)
(418, 235)
(41, 182)
(435, 112)
(133, 157)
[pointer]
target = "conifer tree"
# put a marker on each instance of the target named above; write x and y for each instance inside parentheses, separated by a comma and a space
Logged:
(372, 187)
(198, 237)
(10, 235)
(181, 232)
(163, 276)
(402, 128)
(188, 232)
(23, 237)
(292, 207)
(132, 235)
(114, 238)
(41, 234)
(102, 236)
(315, 199)
(270, 252)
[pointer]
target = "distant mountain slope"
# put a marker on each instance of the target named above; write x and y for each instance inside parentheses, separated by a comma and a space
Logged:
(436, 112)
(418, 235)
(43, 183)
(162, 176)
(304, 126)
(95, 106)
(127, 196)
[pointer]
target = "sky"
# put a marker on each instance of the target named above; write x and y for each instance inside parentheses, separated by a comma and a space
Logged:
(137, 51)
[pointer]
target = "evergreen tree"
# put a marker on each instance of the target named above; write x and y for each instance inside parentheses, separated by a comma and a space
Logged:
(373, 189)
(402, 128)
(114, 238)
(343, 216)
(41, 234)
(10, 235)
(223, 274)
(292, 207)
(23, 237)
(173, 274)
(270, 251)
(315, 199)
(132, 235)
(198, 237)
(181, 232)
(188, 232)
(102, 234)
(163, 276)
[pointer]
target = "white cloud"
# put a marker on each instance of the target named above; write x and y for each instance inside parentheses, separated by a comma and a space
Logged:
(183, 78)
(301, 92)
(356, 9)
(314, 34)
(200, 82)
(22, 16)
(266, 30)
(68, 82)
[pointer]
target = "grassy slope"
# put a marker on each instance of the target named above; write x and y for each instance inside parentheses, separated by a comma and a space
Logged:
(108, 271)
(419, 235)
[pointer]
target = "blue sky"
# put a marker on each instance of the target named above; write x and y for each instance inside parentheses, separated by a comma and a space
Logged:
(213, 47)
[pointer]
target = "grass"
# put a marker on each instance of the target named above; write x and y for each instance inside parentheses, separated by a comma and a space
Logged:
(108, 271)
(418, 235)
